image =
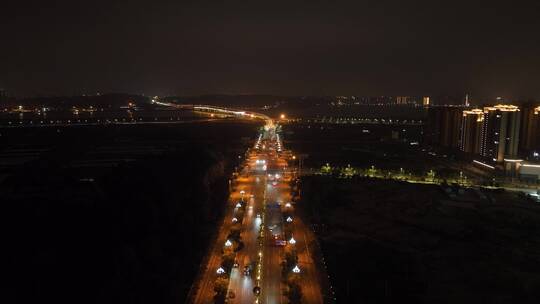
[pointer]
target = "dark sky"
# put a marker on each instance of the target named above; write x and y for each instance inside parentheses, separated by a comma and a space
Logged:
(272, 47)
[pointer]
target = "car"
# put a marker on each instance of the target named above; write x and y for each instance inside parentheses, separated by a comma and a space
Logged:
(279, 242)
(247, 270)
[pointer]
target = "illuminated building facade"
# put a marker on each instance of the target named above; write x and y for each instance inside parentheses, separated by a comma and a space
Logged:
(471, 131)
(425, 101)
(500, 132)
(401, 100)
(530, 131)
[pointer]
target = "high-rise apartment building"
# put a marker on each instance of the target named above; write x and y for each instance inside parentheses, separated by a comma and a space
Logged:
(530, 130)
(500, 132)
(471, 131)
(443, 127)
(401, 100)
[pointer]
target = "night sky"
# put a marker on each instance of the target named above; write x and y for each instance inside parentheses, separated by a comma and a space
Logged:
(271, 47)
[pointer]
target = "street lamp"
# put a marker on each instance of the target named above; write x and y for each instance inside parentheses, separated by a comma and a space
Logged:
(228, 243)
(296, 269)
(292, 241)
(220, 270)
(289, 219)
(234, 220)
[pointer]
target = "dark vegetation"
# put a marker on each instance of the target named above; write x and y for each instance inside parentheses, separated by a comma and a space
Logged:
(340, 145)
(392, 242)
(131, 237)
(133, 231)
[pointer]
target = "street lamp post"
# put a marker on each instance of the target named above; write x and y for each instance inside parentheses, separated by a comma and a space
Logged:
(292, 241)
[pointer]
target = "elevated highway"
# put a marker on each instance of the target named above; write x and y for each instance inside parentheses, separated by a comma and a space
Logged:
(241, 114)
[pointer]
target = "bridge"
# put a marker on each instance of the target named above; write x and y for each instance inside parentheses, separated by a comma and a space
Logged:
(221, 111)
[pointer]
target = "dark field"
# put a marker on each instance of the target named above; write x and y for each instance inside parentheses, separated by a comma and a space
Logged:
(112, 214)
(341, 145)
(392, 242)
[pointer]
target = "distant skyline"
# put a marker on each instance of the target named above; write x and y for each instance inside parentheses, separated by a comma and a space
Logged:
(484, 48)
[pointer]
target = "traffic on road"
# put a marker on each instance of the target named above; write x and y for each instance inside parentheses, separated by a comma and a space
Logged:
(261, 254)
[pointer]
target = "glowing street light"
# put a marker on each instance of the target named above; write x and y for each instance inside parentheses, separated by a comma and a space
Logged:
(220, 270)
(282, 116)
(292, 241)
(238, 205)
(289, 219)
(234, 220)
(228, 243)
(296, 269)
(242, 192)
(288, 205)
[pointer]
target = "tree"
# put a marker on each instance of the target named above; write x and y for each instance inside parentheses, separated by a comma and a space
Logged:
(326, 169)
(227, 261)
(294, 294)
(221, 285)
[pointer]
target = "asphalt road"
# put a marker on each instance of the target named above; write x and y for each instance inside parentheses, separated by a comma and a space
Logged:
(264, 186)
